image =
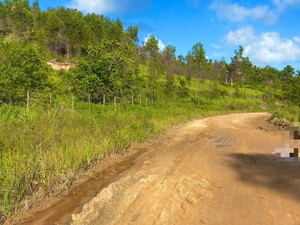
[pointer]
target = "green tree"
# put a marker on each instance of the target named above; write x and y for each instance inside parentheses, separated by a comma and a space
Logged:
(196, 61)
(132, 32)
(198, 54)
(181, 67)
(288, 82)
(287, 74)
(152, 50)
(53, 31)
(219, 71)
(3, 28)
(292, 91)
(116, 30)
(235, 66)
(169, 60)
(182, 90)
(36, 13)
(96, 28)
(108, 68)
(21, 69)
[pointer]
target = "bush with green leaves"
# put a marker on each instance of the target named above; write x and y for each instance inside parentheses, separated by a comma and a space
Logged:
(22, 69)
(109, 68)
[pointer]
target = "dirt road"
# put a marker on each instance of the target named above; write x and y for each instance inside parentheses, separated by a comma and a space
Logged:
(217, 170)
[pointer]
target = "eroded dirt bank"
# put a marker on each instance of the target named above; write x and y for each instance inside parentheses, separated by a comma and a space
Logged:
(217, 170)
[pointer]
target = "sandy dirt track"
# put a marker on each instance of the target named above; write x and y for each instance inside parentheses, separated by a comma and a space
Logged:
(217, 170)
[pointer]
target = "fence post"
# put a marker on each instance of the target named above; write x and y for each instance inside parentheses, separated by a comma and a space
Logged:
(28, 101)
(104, 100)
(132, 103)
(146, 102)
(140, 102)
(115, 103)
(89, 99)
(73, 104)
(50, 98)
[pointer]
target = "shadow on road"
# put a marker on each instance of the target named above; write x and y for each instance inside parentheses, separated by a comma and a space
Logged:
(279, 174)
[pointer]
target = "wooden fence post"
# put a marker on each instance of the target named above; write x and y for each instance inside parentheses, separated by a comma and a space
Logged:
(132, 103)
(73, 104)
(89, 99)
(104, 100)
(50, 98)
(115, 103)
(28, 101)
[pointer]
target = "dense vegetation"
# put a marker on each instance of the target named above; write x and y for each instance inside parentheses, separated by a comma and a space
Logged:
(153, 89)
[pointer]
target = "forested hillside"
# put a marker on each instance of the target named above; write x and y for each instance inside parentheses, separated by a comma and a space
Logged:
(109, 58)
(150, 88)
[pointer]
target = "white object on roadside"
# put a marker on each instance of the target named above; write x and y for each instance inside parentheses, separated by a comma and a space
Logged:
(284, 152)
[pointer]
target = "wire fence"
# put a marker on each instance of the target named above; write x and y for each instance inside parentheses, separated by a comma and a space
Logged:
(72, 103)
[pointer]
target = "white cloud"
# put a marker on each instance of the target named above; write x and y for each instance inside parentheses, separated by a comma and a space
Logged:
(107, 6)
(161, 45)
(265, 48)
(216, 46)
(98, 6)
(219, 54)
(283, 4)
(241, 36)
(237, 13)
(194, 2)
(267, 14)
(297, 39)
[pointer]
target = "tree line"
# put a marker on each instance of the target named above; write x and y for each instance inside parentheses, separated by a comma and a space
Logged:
(109, 59)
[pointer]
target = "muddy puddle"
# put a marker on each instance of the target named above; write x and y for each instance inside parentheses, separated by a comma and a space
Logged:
(61, 212)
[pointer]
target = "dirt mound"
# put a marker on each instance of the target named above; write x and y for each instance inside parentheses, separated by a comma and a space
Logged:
(280, 123)
(60, 66)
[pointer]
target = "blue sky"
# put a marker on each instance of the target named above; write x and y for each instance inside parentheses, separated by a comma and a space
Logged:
(268, 30)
